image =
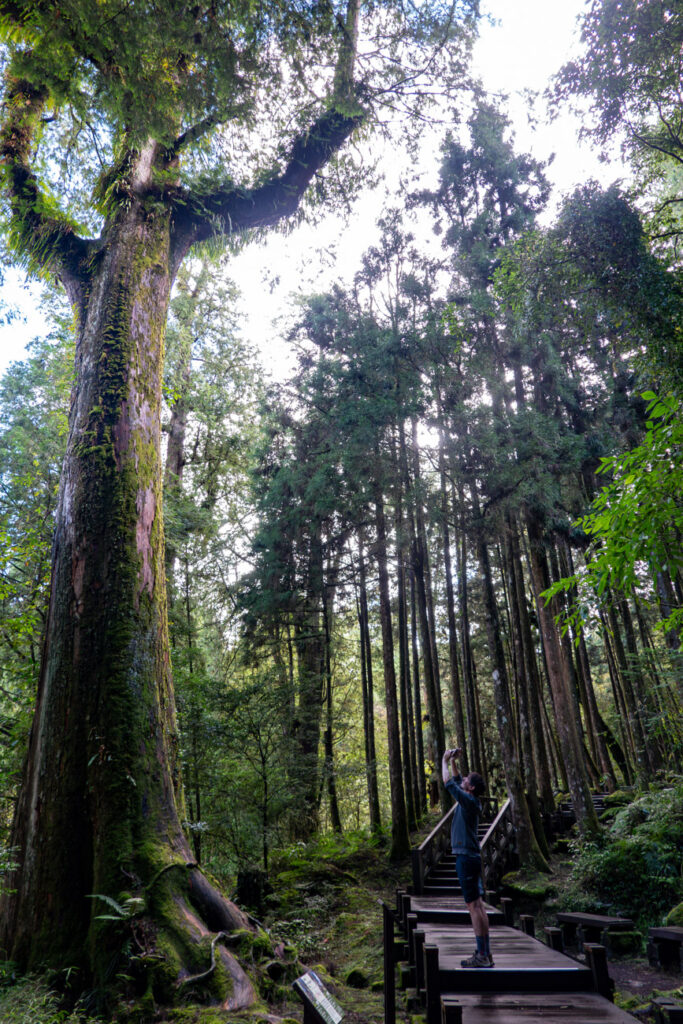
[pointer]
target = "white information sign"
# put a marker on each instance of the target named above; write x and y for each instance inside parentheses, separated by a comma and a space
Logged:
(311, 987)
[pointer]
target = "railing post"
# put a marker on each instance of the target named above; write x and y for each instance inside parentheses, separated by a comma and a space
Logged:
(418, 941)
(418, 871)
(597, 961)
(433, 995)
(554, 938)
(405, 910)
(389, 966)
(451, 1010)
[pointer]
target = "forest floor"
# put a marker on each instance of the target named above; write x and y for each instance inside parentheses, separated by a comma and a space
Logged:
(337, 930)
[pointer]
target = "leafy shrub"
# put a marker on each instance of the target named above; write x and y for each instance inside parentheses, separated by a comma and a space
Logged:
(31, 1002)
(635, 868)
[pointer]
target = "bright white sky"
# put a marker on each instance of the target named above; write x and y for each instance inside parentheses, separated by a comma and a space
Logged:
(528, 42)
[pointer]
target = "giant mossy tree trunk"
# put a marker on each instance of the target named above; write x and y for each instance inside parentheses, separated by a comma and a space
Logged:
(100, 809)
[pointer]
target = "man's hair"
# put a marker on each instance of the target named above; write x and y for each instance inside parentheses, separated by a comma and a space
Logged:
(477, 783)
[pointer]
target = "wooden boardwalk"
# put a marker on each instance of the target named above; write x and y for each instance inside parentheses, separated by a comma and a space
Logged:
(429, 933)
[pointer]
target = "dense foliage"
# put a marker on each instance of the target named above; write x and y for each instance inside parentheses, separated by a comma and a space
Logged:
(635, 869)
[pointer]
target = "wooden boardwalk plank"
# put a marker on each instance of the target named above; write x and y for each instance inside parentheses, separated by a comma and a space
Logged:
(510, 948)
(448, 910)
(522, 963)
(552, 1008)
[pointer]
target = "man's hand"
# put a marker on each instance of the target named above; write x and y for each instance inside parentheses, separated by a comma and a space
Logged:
(448, 756)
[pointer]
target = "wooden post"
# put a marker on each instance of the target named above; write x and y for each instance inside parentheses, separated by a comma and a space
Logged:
(411, 925)
(508, 911)
(418, 871)
(554, 938)
(418, 940)
(389, 975)
(528, 924)
(405, 910)
(451, 1010)
(597, 961)
(433, 995)
(400, 893)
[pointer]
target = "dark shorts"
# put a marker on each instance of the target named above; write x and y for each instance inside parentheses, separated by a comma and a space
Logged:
(469, 876)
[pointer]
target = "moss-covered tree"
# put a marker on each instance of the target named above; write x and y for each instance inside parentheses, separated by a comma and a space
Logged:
(131, 133)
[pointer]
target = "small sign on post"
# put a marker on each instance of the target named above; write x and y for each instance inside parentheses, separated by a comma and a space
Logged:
(319, 1006)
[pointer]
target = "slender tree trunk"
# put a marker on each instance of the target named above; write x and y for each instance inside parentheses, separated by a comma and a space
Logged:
(310, 646)
(417, 697)
(400, 842)
(631, 707)
(330, 772)
(403, 653)
(568, 729)
(450, 606)
(668, 600)
(430, 670)
(476, 745)
(423, 549)
(368, 694)
(527, 844)
(639, 686)
(530, 674)
(533, 771)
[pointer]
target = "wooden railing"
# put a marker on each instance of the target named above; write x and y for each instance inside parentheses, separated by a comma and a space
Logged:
(497, 846)
(430, 851)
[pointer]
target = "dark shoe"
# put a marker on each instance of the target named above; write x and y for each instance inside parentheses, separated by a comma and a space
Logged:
(478, 960)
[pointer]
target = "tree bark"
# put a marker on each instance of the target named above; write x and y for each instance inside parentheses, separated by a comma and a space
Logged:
(100, 808)
(453, 653)
(368, 694)
(400, 842)
(559, 672)
(527, 845)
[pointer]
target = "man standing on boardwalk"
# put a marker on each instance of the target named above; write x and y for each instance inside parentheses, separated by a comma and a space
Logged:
(465, 846)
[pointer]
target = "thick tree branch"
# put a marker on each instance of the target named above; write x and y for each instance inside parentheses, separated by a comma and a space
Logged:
(231, 210)
(45, 239)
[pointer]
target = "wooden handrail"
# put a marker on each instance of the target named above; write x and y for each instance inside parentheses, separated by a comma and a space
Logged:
(422, 855)
(435, 831)
(496, 822)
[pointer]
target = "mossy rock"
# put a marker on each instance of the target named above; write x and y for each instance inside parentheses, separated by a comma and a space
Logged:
(258, 945)
(323, 974)
(527, 889)
(276, 969)
(619, 798)
(632, 1004)
(356, 978)
(674, 919)
(625, 943)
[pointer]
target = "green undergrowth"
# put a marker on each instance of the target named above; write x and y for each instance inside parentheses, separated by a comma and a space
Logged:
(31, 1001)
(325, 903)
(323, 913)
(634, 868)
